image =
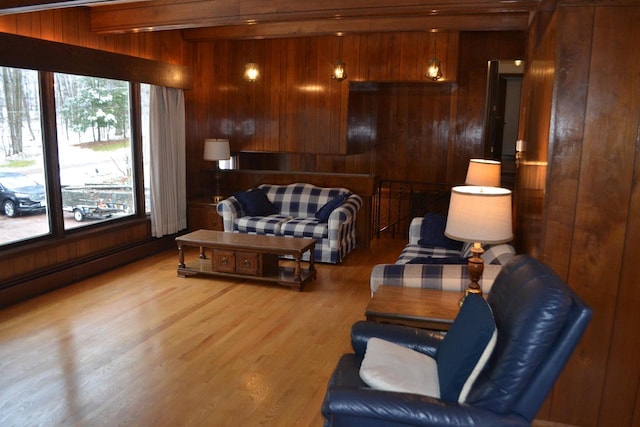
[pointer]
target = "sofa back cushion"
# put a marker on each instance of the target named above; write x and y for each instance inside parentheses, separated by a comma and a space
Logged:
(300, 199)
(255, 203)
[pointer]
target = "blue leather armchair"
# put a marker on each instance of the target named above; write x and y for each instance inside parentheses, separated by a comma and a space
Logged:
(539, 321)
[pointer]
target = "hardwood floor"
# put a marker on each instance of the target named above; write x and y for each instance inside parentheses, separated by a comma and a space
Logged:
(138, 346)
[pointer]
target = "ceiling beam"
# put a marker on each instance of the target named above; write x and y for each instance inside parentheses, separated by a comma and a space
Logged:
(175, 14)
(501, 22)
(8, 7)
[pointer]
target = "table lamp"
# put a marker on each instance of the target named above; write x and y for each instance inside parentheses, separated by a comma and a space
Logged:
(216, 150)
(483, 172)
(479, 215)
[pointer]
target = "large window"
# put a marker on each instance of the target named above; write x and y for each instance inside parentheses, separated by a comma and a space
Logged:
(94, 172)
(22, 191)
(94, 148)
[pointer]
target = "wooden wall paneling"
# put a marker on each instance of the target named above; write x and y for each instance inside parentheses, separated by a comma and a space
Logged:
(560, 197)
(466, 132)
(409, 55)
(371, 55)
(248, 91)
(259, 115)
(361, 117)
(338, 97)
(559, 201)
(391, 67)
(438, 144)
(449, 55)
(565, 116)
(351, 51)
(408, 106)
(327, 128)
(273, 95)
(290, 117)
(306, 125)
(603, 217)
(386, 135)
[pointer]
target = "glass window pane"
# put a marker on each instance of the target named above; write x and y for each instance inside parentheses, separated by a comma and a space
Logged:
(94, 147)
(22, 191)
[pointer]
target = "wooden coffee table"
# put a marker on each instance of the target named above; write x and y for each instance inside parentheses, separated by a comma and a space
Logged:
(421, 308)
(248, 256)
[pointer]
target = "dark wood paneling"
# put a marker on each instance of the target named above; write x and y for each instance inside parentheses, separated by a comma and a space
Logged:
(603, 217)
(296, 108)
(71, 26)
(583, 116)
(29, 52)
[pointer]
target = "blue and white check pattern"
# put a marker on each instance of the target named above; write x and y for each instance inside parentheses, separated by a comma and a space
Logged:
(297, 205)
(446, 277)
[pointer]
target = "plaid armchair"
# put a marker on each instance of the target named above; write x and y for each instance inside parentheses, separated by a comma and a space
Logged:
(447, 277)
(297, 206)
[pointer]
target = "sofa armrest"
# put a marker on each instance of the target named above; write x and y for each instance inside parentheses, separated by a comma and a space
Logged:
(449, 277)
(415, 230)
(230, 210)
(343, 215)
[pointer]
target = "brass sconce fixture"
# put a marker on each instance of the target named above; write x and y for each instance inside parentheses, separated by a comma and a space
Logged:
(339, 71)
(434, 71)
(251, 72)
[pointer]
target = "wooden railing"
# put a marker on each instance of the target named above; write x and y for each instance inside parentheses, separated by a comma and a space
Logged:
(397, 202)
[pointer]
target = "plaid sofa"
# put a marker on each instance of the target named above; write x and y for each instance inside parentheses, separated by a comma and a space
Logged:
(297, 204)
(447, 277)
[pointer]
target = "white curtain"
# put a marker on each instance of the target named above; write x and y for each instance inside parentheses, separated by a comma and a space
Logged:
(168, 163)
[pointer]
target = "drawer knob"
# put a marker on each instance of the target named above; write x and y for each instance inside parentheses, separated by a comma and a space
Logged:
(224, 260)
(245, 262)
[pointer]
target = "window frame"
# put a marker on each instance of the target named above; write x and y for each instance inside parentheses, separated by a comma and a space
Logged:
(49, 57)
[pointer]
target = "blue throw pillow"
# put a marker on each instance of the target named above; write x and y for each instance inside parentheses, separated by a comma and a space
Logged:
(466, 348)
(256, 203)
(436, 260)
(432, 233)
(325, 211)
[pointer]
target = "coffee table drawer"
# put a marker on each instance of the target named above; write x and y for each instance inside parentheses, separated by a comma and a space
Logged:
(223, 261)
(248, 263)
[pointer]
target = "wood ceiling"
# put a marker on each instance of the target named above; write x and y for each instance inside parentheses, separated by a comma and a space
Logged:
(244, 19)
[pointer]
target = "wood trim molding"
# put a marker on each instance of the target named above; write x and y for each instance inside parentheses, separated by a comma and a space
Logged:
(62, 276)
(44, 55)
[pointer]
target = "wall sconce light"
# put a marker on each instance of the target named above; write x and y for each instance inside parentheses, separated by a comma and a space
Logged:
(251, 72)
(521, 146)
(339, 71)
(434, 71)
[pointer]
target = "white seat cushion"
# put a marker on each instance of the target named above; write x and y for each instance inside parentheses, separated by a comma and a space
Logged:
(392, 367)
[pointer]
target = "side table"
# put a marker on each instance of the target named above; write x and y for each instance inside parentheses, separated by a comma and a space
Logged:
(202, 214)
(420, 308)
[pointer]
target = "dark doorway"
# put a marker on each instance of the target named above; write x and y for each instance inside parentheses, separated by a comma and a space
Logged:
(504, 82)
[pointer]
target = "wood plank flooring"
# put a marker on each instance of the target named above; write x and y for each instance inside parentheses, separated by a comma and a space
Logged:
(138, 346)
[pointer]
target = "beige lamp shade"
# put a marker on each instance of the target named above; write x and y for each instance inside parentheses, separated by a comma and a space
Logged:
(216, 149)
(483, 172)
(479, 214)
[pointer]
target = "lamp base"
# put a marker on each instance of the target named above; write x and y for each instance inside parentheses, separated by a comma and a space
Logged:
(476, 268)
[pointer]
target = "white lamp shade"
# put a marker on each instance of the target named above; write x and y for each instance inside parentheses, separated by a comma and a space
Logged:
(483, 172)
(479, 214)
(216, 149)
